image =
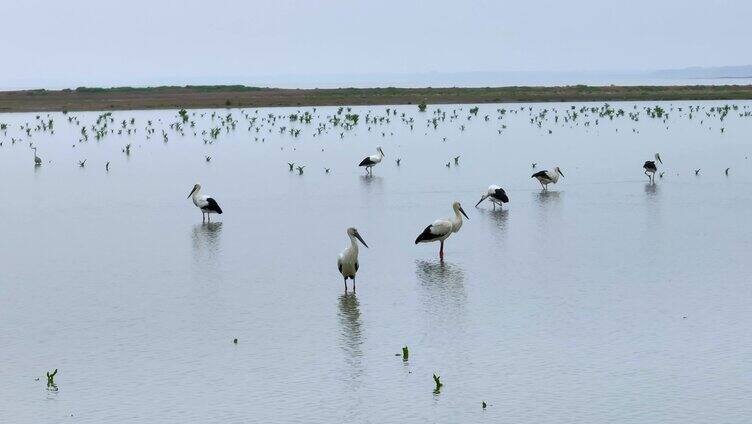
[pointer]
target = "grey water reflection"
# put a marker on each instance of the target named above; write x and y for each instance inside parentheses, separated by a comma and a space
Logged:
(545, 197)
(351, 337)
(371, 181)
(443, 288)
(206, 235)
(206, 238)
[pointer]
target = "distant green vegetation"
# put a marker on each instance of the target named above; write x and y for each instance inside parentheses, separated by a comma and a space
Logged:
(223, 96)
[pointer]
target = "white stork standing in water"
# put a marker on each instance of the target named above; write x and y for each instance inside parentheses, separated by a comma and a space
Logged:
(496, 195)
(651, 168)
(373, 160)
(546, 177)
(207, 204)
(347, 261)
(441, 229)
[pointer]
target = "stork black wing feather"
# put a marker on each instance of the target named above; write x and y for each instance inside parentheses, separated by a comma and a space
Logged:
(426, 235)
(501, 195)
(213, 205)
(365, 162)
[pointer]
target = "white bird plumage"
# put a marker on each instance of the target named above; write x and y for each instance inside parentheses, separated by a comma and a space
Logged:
(495, 194)
(373, 160)
(347, 261)
(441, 229)
(207, 204)
(546, 177)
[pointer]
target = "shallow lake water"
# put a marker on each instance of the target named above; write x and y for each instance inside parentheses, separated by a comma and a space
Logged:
(606, 299)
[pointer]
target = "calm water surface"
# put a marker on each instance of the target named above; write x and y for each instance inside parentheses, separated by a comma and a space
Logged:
(606, 299)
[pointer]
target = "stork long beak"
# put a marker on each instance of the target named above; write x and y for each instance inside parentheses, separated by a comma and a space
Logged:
(482, 198)
(463, 212)
(191, 193)
(357, 236)
(560, 173)
(657, 156)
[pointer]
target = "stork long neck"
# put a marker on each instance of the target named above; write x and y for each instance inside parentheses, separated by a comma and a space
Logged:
(457, 218)
(196, 195)
(379, 154)
(353, 244)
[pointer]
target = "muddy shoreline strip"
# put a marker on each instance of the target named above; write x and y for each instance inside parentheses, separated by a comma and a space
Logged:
(128, 98)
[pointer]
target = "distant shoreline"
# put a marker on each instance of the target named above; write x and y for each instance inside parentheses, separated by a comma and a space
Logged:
(230, 96)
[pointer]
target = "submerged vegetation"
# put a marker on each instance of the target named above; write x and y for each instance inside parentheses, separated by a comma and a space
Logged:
(222, 96)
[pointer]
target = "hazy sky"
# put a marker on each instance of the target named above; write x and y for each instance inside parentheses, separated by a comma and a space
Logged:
(77, 42)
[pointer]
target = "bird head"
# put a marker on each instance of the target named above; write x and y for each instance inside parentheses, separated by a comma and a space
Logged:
(458, 208)
(380, 151)
(658, 158)
(196, 188)
(558, 171)
(353, 232)
(483, 197)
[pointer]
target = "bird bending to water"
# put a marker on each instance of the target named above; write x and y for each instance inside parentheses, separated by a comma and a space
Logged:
(496, 195)
(650, 167)
(546, 177)
(726, 171)
(347, 261)
(373, 160)
(207, 204)
(697, 172)
(456, 160)
(441, 229)
(291, 165)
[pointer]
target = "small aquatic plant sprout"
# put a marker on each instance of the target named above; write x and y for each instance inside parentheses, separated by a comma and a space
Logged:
(51, 379)
(437, 381)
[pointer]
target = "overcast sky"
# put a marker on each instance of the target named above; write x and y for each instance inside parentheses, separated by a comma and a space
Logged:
(78, 42)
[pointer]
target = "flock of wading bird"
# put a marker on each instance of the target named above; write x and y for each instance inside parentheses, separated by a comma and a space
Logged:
(345, 120)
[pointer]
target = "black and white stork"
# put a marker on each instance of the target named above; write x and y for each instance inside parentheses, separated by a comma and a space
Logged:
(441, 229)
(496, 195)
(651, 168)
(207, 204)
(373, 160)
(546, 177)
